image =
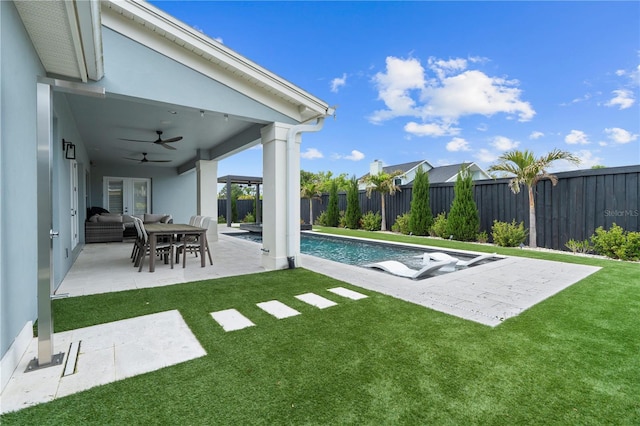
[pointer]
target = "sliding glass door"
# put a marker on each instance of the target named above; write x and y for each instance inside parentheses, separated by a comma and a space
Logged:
(127, 195)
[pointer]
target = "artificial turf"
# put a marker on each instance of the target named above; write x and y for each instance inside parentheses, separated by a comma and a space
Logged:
(572, 359)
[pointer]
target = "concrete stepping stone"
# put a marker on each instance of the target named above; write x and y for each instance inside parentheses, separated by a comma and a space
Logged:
(315, 300)
(231, 320)
(277, 309)
(345, 292)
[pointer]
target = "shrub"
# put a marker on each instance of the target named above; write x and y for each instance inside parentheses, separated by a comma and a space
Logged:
(333, 213)
(371, 221)
(421, 218)
(508, 234)
(402, 224)
(463, 221)
(342, 222)
(617, 243)
(482, 237)
(222, 219)
(439, 228)
(578, 246)
(322, 219)
(353, 213)
(249, 218)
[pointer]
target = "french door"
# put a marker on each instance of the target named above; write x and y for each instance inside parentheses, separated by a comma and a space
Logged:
(127, 195)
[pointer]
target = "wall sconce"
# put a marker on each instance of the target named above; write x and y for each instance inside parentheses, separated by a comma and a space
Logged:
(69, 150)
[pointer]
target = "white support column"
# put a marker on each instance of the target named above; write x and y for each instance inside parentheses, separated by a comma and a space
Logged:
(207, 178)
(274, 198)
(293, 202)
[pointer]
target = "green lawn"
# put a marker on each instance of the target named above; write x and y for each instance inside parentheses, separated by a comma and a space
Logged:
(572, 359)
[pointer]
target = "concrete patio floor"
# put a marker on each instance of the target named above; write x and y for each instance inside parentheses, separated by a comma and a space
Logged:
(487, 294)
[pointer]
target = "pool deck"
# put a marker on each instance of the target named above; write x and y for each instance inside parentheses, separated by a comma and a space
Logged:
(487, 294)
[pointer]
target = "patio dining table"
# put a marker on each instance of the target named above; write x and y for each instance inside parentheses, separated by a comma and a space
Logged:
(155, 230)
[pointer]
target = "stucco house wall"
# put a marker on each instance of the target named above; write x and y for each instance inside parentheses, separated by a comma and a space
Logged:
(19, 68)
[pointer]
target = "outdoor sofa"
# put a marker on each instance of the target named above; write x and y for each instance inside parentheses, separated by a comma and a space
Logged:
(105, 227)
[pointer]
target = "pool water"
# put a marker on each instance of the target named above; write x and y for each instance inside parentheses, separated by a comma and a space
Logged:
(357, 252)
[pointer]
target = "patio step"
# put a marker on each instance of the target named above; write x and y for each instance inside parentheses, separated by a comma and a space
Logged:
(232, 319)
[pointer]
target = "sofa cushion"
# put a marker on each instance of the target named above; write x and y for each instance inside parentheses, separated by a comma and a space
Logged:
(94, 218)
(110, 218)
(153, 218)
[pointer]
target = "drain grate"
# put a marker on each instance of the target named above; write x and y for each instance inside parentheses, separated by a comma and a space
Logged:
(72, 359)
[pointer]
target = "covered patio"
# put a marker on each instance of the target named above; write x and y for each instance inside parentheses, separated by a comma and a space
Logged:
(101, 91)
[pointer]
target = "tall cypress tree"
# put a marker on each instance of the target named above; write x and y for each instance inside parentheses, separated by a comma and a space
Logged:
(463, 221)
(333, 213)
(353, 213)
(420, 219)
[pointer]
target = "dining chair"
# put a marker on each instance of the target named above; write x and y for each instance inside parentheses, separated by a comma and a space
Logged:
(191, 243)
(144, 248)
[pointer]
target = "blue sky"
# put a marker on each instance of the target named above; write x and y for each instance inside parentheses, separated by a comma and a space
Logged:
(446, 82)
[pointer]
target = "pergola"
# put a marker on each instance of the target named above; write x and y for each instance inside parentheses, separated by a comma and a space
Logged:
(242, 180)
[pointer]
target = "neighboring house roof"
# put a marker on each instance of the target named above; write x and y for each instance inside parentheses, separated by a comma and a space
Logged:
(449, 173)
(404, 168)
(439, 174)
(445, 173)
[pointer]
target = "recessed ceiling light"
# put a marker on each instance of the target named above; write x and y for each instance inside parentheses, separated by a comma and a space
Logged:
(165, 122)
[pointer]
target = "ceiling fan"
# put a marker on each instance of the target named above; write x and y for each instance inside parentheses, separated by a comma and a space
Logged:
(145, 160)
(158, 141)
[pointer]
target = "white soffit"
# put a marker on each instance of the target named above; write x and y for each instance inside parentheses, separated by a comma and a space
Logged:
(53, 29)
(168, 36)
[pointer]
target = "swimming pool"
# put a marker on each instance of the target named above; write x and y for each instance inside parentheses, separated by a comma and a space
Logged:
(359, 252)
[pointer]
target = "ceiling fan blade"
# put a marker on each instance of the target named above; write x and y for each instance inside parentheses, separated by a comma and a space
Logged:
(159, 161)
(167, 146)
(134, 159)
(176, 139)
(134, 140)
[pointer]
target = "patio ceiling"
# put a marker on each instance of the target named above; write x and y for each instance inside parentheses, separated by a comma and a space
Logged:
(103, 123)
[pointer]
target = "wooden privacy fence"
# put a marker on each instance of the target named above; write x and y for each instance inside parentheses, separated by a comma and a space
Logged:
(581, 201)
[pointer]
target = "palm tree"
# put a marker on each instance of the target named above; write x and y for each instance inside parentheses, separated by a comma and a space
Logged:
(529, 170)
(384, 183)
(311, 190)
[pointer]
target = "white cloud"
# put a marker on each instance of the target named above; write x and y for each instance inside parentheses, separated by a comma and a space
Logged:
(536, 135)
(502, 143)
(482, 127)
(623, 99)
(454, 92)
(430, 129)
(458, 144)
(311, 154)
(395, 86)
(587, 160)
(338, 82)
(576, 137)
(618, 135)
(443, 68)
(354, 156)
(486, 156)
(473, 92)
